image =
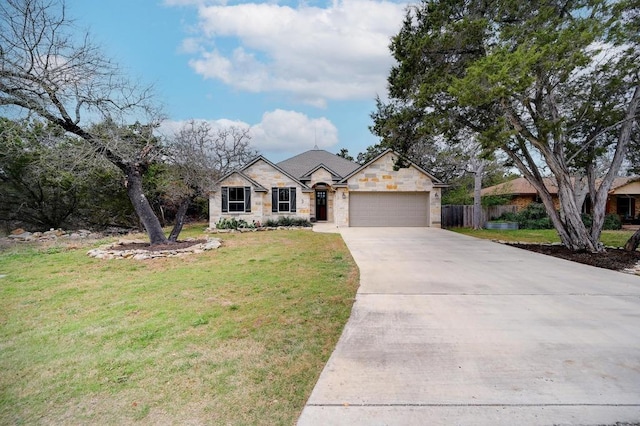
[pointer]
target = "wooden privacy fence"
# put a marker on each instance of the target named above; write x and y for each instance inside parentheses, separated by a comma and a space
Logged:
(462, 216)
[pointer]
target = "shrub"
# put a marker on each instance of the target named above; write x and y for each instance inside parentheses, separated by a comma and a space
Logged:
(612, 222)
(233, 223)
(287, 221)
(534, 216)
(508, 217)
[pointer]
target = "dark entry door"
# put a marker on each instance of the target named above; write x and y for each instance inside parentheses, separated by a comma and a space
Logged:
(321, 205)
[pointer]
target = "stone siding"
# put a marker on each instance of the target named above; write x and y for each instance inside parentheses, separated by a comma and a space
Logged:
(322, 176)
(380, 177)
(264, 174)
(341, 207)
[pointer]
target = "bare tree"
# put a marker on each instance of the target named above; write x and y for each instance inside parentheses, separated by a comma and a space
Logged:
(199, 155)
(50, 69)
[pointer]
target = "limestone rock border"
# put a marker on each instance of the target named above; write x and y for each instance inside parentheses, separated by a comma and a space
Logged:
(110, 251)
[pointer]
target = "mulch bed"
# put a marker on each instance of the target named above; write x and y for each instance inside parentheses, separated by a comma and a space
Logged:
(616, 259)
(157, 247)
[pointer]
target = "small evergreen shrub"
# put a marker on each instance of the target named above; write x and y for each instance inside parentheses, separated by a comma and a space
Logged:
(287, 221)
(612, 222)
(534, 216)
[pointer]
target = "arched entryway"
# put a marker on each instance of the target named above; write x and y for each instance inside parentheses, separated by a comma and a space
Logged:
(322, 201)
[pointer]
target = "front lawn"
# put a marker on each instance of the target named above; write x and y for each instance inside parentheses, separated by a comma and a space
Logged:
(238, 335)
(608, 238)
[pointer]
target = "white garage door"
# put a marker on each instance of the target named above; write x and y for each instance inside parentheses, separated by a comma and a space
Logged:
(389, 209)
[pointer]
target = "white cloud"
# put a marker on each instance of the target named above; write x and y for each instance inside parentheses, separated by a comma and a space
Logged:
(315, 54)
(190, 46)
(278, 133)
(292, 132)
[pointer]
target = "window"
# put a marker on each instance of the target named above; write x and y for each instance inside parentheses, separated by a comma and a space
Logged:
(283, 200)
(626, 207)
(236, 199)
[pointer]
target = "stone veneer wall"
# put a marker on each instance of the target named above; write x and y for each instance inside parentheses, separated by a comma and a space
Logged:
(380, 177)
(268, 177)
(323, 176)
(341, 207)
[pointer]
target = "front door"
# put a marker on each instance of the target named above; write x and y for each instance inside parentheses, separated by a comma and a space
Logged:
(321, 205)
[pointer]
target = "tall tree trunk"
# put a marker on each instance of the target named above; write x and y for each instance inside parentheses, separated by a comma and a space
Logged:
(177, 228)
(579, 238)
(568, 221)
(142, 207)
(477, 199)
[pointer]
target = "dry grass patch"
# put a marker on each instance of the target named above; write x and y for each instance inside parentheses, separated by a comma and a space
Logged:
(238, 335)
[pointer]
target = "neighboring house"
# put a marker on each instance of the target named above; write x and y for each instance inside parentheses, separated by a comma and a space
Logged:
(622, 199)
(320, 186)
(520, 192)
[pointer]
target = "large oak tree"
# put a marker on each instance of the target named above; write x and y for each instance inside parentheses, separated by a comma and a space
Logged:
(553, 84)
(50, 69)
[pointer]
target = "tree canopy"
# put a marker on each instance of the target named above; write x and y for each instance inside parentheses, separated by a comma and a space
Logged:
(554, 85)
(51, 70)
(49, 180)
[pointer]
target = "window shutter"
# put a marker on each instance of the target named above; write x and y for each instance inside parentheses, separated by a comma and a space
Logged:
(292, 199)
(225, 199)
(274, 200)
(247, 199)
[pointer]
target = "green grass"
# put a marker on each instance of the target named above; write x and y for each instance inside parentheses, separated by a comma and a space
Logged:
(238, 335)
(608, 238)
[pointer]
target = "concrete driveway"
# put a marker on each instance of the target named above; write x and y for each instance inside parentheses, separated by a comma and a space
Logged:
(452, 330)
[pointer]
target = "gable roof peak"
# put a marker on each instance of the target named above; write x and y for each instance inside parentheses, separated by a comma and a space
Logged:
(437, 183)
(301, 164)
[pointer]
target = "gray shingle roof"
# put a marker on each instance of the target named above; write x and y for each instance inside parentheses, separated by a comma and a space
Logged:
(299, 165)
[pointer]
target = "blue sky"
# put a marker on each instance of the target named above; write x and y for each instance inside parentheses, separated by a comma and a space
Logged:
(296, 73)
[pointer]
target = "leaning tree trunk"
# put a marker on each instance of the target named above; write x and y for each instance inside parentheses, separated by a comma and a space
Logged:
(182, 212)
(633, 242)
(142, 207)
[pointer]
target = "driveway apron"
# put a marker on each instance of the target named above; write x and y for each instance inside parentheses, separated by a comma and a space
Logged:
(447, 329)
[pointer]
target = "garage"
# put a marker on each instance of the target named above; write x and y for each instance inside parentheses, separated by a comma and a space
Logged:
(388, 209)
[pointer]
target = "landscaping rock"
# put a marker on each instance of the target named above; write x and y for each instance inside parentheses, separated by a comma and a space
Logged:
(20, 235)
(24, 236)
(116, 251)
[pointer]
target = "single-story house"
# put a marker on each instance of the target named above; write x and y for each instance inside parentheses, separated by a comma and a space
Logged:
(320, 186)
(622, 199)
